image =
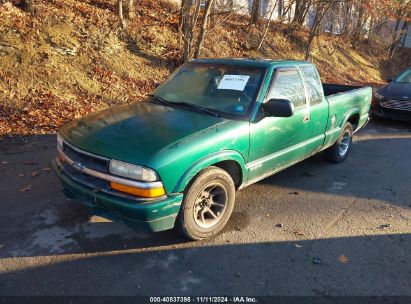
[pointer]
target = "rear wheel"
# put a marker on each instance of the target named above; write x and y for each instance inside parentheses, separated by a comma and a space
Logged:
(338, 152)
(207, 205)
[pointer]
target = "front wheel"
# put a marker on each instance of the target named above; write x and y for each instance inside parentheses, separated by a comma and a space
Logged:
(207, 205)
(339, 150)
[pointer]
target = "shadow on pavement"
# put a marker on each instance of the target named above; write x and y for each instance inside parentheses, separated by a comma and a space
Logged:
(362, 265)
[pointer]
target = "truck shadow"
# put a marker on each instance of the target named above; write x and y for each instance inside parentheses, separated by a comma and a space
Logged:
(361, 265)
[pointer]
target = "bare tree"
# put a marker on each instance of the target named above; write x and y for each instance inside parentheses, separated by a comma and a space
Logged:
(131, 10)
(203, 28)
(27, 6)
(189, 13)
(321, 8)
(120, 14)
(267, 25)
(360, 21)
(286, 9)
(401, 26)
(255, 12)
(301, 10)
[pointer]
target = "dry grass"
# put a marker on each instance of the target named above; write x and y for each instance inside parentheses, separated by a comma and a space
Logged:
(70, 59)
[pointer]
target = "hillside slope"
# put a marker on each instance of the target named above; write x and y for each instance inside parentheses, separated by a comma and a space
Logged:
(71, 59)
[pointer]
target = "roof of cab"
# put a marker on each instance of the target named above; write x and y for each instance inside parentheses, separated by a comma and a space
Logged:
(254, 62)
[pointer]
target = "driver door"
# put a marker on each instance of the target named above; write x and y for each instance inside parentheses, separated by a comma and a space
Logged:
(278, 142)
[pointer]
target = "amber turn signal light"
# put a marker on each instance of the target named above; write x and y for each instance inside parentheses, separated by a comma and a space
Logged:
(150, 193)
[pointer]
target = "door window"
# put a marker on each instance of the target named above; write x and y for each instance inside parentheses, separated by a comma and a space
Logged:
(313, 84)
(288, 85)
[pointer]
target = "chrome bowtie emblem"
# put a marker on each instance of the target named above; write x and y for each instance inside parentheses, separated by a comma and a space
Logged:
(78, 166)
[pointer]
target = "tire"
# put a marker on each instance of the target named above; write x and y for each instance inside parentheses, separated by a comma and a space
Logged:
(212, 189)
(338, 152)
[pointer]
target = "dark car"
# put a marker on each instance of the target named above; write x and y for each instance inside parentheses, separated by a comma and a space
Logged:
(393, 101)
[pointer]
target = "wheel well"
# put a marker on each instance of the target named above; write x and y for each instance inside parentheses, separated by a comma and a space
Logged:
(354, 120)
(232, 168)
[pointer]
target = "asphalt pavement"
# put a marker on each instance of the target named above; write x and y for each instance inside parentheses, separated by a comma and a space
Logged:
(314, 229)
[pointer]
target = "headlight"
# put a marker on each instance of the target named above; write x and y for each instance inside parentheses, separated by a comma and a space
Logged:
(132, 171)
(59, 142)
(378, 95)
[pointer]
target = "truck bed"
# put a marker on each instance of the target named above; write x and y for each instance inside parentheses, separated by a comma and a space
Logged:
(332, 89)
(343, 101)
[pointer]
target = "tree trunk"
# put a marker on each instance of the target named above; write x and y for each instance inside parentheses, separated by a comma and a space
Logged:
(280, 8)
(186, 28)
(203, 28)
(255, 12)
(393, 46)
(394, 39)
(120, 14)
(195, 17)
(359, 24)
(347, 19)
(321, 9)
(131, 10)
(27, 6)
(181, 16)
(404, 33)
(371, 30)
(301, 9)
(267, 25)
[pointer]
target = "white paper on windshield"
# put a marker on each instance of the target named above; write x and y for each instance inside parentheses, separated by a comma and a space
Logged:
(233, 82)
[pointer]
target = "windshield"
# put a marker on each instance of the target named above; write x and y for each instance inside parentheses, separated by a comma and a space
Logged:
(404, 77)
(227, 89)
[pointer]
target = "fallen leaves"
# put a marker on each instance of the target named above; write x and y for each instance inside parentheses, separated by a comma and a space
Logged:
(343, 259)
(30, 163)
(26, 188)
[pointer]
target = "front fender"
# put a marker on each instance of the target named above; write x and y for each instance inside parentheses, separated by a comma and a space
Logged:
(207, 161)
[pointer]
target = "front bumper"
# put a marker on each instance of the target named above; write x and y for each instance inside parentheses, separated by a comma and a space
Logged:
(392, 114)
(154, 215)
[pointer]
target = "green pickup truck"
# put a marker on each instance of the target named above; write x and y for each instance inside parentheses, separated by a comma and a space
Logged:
(214, 127)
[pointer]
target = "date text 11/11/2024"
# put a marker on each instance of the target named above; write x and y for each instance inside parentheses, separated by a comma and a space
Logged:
(200, 299)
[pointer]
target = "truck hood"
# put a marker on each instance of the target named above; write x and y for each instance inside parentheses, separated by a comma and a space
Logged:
(134, 133)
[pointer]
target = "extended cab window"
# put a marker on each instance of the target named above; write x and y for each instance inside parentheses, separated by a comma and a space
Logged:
(313, 84)
(288, 85)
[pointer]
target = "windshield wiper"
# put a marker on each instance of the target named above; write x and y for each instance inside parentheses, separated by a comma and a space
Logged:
(196, 107)
(160, 99)
(186, 104)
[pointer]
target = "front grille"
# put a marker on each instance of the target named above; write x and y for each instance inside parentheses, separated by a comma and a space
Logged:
(96, 184)
(92, 162)
(85, 179)
(403, 105)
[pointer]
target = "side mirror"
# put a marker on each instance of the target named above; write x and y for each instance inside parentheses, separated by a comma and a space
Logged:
(279, 107)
